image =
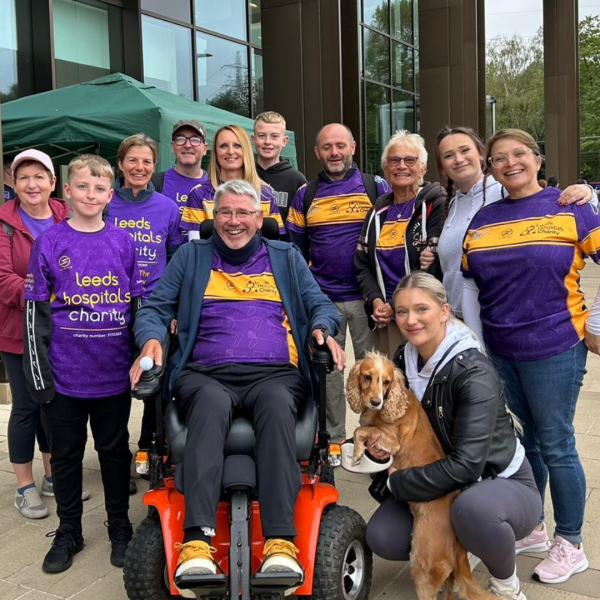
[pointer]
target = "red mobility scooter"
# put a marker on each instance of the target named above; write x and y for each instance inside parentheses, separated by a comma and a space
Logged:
(331, 538)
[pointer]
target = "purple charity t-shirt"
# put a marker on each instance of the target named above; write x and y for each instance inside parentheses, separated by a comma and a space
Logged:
(35, 226)
(243, 320)
(178, 187)
(154, 225)
(89, 279)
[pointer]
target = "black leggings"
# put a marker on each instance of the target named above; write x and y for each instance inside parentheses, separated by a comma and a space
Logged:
(488, 517)
(25, 422)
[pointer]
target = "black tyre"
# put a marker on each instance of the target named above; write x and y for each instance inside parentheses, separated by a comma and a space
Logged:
(328, 474)
(343, 562)
(144, 573)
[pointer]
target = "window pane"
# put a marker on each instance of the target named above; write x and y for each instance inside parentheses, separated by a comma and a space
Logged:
(176, 9)
(255, 23)
(9, 87)
(402, 60)
(81, 47)
(403, 111)
(222, 74)
(225, 16)
(258, 96)
(402, 20)
(167, 56)
(417, 88)
(377, 57)
(376, 14)
(377, 124)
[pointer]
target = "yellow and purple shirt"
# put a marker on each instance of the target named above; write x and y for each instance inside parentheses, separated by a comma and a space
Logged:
(243, 319)
(525, 256)
(329, 232)
(200, 206)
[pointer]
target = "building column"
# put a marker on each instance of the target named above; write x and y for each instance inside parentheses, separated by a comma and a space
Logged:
(302, 66)
(452, 68)
(561, 90)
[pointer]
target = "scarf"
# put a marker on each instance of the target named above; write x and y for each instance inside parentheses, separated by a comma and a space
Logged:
(236, 257)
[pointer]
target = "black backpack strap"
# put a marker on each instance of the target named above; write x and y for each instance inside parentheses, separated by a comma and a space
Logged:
(370, 186)
(368, 181)
(309, 195)
(9, 229)
(158, 181)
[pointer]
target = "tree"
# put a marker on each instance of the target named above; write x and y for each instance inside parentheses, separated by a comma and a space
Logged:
(589, 99)
(515, 77)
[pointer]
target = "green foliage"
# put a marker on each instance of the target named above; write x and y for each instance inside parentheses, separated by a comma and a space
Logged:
(515, 77)
(589, 99)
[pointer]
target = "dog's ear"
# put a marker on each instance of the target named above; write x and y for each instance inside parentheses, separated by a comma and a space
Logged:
(353, 391)
(397, 399)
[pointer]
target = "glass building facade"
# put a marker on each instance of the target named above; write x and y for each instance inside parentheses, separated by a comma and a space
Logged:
(389, 73)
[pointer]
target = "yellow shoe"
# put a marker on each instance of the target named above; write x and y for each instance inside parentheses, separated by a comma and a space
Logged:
(280, 557)
(195, 559)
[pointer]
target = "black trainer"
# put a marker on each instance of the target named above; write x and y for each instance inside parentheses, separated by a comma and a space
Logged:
(120, 534)
(67, 542)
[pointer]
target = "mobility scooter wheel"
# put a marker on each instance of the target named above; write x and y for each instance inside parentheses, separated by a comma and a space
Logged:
(144, 573)
(343, 562)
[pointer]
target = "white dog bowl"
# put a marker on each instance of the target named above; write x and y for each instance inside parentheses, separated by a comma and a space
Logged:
(366, 464)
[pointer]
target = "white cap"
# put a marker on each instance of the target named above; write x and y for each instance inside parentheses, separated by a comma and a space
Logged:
(37, 156)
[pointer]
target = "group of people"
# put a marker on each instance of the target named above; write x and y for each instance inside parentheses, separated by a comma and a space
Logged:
(471, 284)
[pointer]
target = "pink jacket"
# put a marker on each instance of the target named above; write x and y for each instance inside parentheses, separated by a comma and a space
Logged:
(14, 263)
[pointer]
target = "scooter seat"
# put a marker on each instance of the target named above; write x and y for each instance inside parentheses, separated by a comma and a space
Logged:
(241, 437)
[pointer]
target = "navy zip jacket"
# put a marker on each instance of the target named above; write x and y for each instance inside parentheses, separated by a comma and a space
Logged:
(180, 293)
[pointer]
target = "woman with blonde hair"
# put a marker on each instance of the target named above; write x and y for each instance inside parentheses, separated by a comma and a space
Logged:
(521, 261)
(231, 158)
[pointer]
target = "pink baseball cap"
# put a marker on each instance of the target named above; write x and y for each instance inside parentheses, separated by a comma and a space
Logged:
(33, 154)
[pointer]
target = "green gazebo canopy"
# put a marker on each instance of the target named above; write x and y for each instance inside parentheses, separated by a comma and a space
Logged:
(97, 115)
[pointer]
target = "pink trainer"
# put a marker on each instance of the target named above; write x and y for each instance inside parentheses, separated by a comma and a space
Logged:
(536, 541)
(563, 560)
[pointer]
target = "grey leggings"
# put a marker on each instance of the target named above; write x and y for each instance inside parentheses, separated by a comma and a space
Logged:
(488, 517)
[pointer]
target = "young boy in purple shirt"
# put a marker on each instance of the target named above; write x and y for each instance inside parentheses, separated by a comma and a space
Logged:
(82, 290)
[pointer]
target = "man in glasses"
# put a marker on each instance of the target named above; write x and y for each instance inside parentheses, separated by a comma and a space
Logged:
(244, 323)
(325, 221)
(188, 144)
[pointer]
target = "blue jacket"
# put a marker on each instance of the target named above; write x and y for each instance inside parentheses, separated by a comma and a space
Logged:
(180, 293)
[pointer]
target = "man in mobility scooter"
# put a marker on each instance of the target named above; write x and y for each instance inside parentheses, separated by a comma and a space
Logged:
(246, 310)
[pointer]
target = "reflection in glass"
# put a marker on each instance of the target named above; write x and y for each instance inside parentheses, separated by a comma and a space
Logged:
(377, 57)
(167, 56)
(416, 72)
(402, 20)
(81, 42)
(402, 70)
(9, 87)
(255, 23)
(222, 74)
(403, 111)
(258, 94)
(176, 9)
(223, 16)
(376, 14)
(377, 125)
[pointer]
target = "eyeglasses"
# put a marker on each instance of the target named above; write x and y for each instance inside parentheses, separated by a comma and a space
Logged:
(499, 160)
(195, 140)
(240, 215)
(409, 161)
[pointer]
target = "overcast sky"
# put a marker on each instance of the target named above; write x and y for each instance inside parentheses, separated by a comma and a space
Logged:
(505, 17)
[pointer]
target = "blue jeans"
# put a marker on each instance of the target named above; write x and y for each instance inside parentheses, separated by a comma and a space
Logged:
(543, 395)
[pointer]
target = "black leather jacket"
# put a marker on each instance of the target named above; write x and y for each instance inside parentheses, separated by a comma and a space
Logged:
(465, 405)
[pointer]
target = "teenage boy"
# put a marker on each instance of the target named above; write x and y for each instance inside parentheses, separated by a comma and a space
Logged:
(81, 292)
(269, 140)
